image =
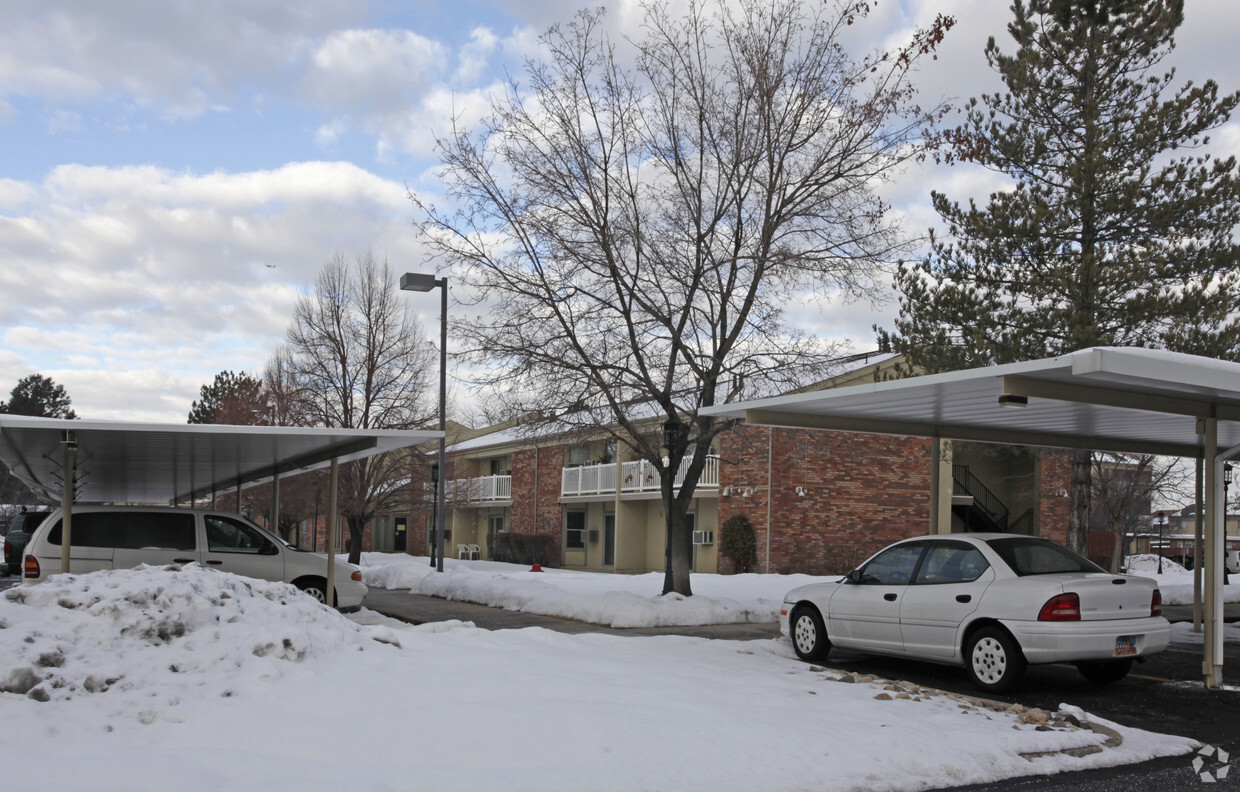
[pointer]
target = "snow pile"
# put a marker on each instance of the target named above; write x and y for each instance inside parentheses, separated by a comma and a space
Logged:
(1146, 563)
(158, 627)
(1175, 582)
(207, 681)
(607, 599)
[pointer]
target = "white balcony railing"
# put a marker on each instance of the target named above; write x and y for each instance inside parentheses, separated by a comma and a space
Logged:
(635, 477)
(483, 489)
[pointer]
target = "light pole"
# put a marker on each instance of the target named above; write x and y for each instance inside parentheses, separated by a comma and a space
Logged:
(413, 281)
(1162, 523)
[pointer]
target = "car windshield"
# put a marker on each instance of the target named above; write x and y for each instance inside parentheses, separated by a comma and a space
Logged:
(1029, 556)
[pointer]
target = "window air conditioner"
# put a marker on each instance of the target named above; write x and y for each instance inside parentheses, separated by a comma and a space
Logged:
(703, 537)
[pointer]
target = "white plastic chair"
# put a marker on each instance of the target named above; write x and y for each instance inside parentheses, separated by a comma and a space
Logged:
(462, 552)
(475, 551)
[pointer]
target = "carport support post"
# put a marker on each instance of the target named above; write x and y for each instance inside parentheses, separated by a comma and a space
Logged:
(275, 503)
(940, 501)
(1198, 553)
(330, 594)
(69, 441)
(1211, 664)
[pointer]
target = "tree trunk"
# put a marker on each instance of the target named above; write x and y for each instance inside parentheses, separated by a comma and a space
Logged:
(1078, 517)
(356, 526)
(679, 544)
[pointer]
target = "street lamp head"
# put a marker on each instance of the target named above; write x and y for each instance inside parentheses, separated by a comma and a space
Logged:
(417, 281)
(1227, 473)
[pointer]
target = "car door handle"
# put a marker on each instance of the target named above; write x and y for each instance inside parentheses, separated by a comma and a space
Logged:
(183, 560)
(889, 597)
(215, 563)
(963, 598)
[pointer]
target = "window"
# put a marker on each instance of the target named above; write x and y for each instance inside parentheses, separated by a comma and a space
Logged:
(226, 535)
(495, 524)
(1031, 556)
(951, 562)
(892, 567)
(499, 466)
(130, 530)
(577, 455)
(575, 530)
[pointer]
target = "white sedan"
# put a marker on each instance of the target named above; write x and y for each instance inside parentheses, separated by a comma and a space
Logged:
(992, 603)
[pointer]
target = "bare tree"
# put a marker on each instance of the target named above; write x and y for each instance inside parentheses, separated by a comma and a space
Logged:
(357, 358)
(1124, 486)
(636, 233)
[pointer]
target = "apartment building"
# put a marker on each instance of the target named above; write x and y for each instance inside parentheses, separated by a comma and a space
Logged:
(819, 501)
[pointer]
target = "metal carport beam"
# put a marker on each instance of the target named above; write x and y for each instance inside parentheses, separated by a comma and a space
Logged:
(983, 434)
(1108, 397)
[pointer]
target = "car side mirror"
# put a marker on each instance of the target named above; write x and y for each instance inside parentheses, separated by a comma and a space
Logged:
(853, 576)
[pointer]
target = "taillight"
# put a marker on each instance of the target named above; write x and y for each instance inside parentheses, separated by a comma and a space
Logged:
(1156, 603)
(31, 565)
(8, 548)
(1062, 607)
(357, 576)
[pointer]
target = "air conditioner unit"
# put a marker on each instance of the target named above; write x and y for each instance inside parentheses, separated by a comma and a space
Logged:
(703, 537)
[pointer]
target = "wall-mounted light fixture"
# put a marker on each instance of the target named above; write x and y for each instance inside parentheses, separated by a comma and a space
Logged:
(801, 491)
(745, 493)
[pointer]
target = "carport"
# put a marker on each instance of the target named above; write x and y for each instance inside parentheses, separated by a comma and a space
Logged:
(144, 463)
(1108, 399)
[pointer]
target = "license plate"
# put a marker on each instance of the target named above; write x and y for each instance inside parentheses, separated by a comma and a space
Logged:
(1125, 645)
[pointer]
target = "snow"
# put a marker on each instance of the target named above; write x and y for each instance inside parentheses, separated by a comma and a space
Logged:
(634, 601)
(145, 678)
(1175, 582)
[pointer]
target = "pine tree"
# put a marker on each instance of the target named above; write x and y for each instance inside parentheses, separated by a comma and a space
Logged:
(231, 398)
(1110, 235)
(38, 396)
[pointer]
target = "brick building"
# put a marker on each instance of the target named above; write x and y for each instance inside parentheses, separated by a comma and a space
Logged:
(819, 501)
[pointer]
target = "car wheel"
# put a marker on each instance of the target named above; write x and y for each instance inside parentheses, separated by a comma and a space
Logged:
(809, 634)
(994, 660)
(315, 588)
(1107, 672)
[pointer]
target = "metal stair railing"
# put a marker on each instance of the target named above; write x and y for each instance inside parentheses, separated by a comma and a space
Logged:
(965, 483)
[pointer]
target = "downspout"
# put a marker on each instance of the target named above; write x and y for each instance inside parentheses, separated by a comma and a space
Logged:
(770, 492)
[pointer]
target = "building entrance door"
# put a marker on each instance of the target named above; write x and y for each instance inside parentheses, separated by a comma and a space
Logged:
(609, 540)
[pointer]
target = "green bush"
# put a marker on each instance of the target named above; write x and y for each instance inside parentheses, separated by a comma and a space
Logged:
(738, 544)
(519, 548)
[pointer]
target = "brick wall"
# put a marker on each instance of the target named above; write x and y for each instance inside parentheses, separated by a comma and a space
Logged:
(1054, 484)
(861, 492)
(539, 468)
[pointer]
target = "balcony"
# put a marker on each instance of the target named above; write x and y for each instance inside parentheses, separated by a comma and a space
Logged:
(483, 489)
(635, 478)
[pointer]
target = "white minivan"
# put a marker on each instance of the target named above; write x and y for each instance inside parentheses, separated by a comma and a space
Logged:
(117, 537)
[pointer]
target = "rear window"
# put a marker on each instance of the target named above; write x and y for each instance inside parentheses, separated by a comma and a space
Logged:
(1030, 556)
(26, 522)
(130, 530)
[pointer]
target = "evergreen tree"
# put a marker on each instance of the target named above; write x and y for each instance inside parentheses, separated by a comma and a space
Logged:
(1110, 234)
(39, 396)
(236, 399)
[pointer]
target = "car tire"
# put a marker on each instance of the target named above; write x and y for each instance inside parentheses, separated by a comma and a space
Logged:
(1107, 672)
(994, 660)
(809, 634)
(315, 587)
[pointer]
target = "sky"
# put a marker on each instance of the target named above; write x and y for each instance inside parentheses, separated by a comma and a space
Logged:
(123, 679)
(174, 175)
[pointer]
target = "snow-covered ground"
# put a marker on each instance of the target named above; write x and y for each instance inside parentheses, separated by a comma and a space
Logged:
(633, 600)
(1175, 582)
(151, 678)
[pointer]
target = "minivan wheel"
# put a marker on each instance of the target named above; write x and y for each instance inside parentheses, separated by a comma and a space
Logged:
(809, 634)
(994, 660)
(315, 588)
(1107, 672)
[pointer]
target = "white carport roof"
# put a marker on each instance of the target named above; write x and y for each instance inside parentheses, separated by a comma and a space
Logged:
(1113, 399)
(123, 462)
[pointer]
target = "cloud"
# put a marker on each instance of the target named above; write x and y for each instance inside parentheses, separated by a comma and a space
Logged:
(178, 59)
(112, 273)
